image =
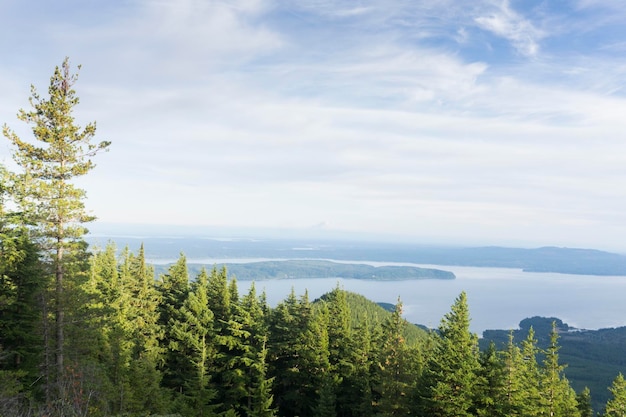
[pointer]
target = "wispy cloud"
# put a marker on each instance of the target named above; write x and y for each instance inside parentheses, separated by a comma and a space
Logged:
(376, 115)
(505, 22)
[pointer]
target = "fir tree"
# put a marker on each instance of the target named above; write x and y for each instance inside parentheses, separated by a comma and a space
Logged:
(174, 289)
(21, 285)
(492, 383)
(357, 386)
(616, 405)
(557, 397)
(194, 335)
(583, 399)
(453, 367)
(529, 377)
(513, 396)
(395, 392)
(140, 320)
(261, 404)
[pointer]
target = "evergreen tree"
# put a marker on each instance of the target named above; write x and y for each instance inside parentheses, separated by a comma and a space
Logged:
(45, 191)
(357, 386)
(173, 288)
(583, 399)
(282, 354)
(194, 335)
(261, 404)
(21, 285)
(254, 323)
(299, 355)
(139, 319)
(340, 355)
(616, 405)
(452, 373)
(529, 377)
(110, 345)
(230, 366)
(513, 396)
(395, 391)
(492, 382)
(557, 397)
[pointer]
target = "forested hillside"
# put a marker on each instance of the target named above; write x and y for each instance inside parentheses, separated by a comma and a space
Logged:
(137, 345)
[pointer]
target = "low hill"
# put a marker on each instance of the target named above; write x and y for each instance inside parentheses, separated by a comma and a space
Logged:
(362, 309)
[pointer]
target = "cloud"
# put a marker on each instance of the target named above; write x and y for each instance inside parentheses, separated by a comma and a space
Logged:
(387, 116)
(504, 22)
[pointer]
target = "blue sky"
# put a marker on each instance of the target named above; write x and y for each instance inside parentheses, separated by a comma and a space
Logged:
(484, 122)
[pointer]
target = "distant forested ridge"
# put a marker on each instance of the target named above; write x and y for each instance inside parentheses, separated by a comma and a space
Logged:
(546, 259)
(295, 269)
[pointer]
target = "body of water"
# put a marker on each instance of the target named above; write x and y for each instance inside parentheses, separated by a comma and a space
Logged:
(499, 298)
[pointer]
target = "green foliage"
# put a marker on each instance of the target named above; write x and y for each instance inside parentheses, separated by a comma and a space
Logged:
(616, 405)
(592, 356)
(173, 289)
(47, 198)
(397, 369)
(452, 371)
(584, 403)
(21, 283)
(556, 396)
(193, 335)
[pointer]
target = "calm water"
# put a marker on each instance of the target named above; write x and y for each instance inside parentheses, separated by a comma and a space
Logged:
(498, 297)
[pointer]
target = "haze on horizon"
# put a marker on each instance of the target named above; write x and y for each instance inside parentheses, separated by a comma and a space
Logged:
(499, 122)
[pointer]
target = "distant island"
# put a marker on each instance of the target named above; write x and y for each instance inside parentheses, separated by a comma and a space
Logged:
(296, 269)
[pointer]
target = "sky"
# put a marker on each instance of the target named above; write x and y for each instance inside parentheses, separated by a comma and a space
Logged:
(489, 122)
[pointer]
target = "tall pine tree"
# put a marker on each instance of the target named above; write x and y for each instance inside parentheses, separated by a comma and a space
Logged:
(45, 189)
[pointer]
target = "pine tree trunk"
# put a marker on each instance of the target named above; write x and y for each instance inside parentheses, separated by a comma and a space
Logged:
(59, 317)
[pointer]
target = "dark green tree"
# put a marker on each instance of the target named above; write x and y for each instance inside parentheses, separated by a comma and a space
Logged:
(529, 376)
(452, 373)
(557, 397)
(492, 384)
(21, 285)
(194, 335)
(261, 398)
(395, 391)
(173, 288)
(356, 400)
(583, 399)
(513, 396)
(616, 405)
(298, 348)
(140, 317)
(340, 353)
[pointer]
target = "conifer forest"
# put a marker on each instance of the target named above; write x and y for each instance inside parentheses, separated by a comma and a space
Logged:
(87, 331)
